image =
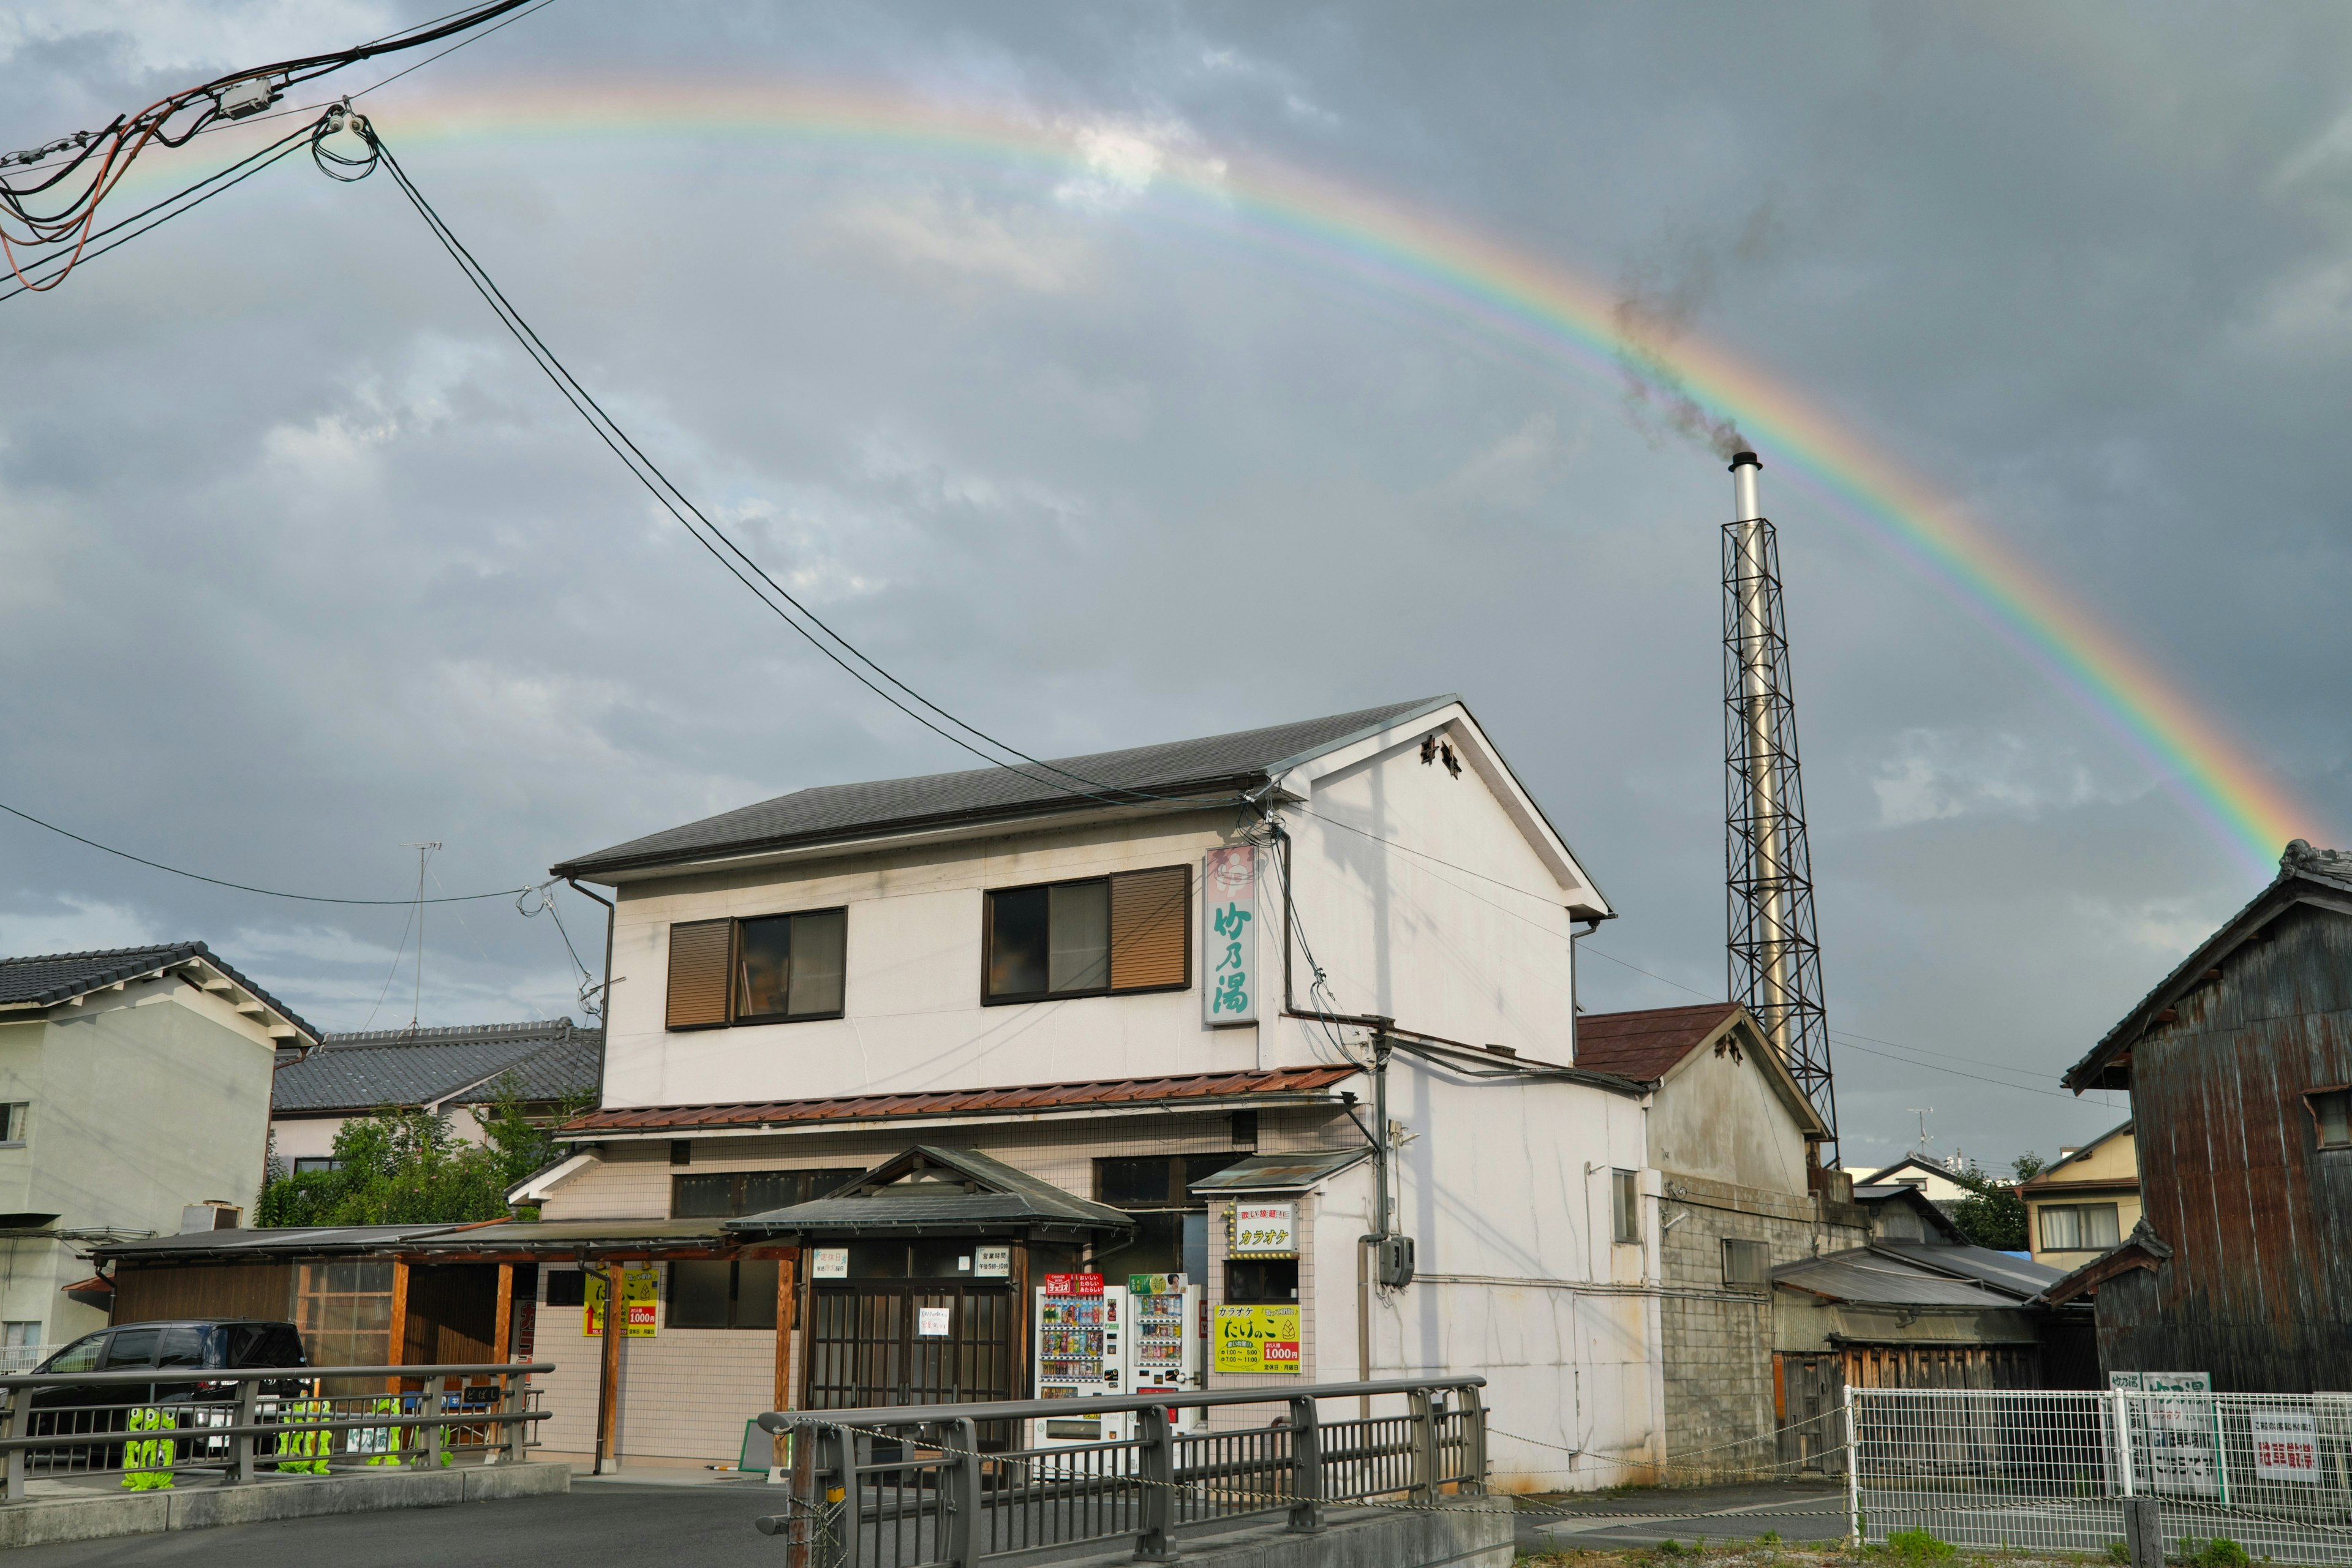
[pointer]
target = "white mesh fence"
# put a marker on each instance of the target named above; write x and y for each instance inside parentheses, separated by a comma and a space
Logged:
(2039, 1471)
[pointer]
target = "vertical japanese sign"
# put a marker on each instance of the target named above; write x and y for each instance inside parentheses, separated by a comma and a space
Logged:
(1229, 978)
(2176, 1436)
(637, 1293)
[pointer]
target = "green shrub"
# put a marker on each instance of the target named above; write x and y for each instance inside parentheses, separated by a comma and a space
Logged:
(2118, 1552)
(1669, 1547)
(1770, 1538)
(2220, 1552)
(1917, 1548)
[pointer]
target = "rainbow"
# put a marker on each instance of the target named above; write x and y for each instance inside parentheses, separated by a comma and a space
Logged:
(1466, 278)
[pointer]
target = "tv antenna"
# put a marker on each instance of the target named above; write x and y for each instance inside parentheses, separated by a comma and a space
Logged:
(424, 852)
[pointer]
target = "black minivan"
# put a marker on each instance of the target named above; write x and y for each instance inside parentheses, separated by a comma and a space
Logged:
(180, 1352)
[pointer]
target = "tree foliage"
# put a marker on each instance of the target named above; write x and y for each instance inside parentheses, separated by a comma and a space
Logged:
(1992, 1214)
(403, 1166)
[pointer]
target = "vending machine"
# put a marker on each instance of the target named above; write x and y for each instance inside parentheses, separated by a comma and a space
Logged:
(1095, 1338)
(1082, 1350)
(1164, 1337)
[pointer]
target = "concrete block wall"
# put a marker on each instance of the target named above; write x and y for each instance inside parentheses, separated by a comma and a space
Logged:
(1717, 1338)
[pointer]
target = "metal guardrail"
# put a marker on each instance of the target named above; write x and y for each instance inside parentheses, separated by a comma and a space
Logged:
(246, 1423)
(909, 1486)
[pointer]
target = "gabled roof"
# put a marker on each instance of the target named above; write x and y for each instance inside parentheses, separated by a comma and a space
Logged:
(1892, 1175)
(2305, 875)
(1648, 1045)
(1252, 1086)
(58, 977)
(1214, 769)
(2046, 1177)
(1910, 1197)
(456, 1066)
(2143, 1249)
(2020, 1277)
(938, 1191)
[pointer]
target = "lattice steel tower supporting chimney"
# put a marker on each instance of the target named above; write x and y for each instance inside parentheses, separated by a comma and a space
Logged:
(1775, 962)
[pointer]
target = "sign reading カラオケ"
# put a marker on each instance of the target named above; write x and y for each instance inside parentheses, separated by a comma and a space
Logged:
(1263, 1230)
(1229, 935)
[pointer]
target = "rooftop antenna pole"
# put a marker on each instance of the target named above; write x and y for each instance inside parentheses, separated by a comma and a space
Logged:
(1773, 958)
(416, 1006)
(1922, 1112)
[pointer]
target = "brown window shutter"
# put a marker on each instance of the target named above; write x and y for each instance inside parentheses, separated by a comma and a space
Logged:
(1150, 928)
(700, 954)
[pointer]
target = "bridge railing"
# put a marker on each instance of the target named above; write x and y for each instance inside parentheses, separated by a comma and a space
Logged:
(910, 1486)
(153, 1426)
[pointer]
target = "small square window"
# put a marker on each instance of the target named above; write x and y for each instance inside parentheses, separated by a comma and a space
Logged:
(567, 1288)
(1746, 1262)
(1625, 1206)
(11, 1121)
(2332, 1109)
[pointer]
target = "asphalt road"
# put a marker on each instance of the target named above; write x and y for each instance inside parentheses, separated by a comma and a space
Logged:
(1799, 1511)
(710, 1526)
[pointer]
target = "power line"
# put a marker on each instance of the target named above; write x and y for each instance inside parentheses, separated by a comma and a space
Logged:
(247, 888)
(271, 154)
(237, 95)
(720, 545)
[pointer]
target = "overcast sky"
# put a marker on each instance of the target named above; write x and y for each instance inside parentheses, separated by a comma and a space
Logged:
(304, 562)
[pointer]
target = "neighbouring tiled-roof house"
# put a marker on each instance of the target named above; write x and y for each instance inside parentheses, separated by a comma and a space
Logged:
(134, 1100)
(549, 1063)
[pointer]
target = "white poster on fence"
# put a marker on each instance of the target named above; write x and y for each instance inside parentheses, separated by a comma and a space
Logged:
(2176, 1435)
(2286, 1446)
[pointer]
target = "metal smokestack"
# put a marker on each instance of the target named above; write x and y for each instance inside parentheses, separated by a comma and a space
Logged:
(1773, 954)
(1756, 686)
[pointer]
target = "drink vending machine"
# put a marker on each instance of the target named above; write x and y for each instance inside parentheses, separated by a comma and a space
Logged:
(1095, 1338)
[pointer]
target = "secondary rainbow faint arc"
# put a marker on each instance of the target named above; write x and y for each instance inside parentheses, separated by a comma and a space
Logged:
(1452, 267)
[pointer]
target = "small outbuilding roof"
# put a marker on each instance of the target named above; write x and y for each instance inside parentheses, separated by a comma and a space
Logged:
(1648, 1047)
(934, 1190)
(550, 1060)
(51, 978)
(1879, 1276)
(1293, 1173)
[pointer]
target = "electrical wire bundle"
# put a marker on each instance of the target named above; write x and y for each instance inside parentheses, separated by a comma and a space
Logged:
(53, 204)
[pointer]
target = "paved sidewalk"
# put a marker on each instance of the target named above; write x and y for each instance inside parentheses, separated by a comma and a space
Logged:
(1797, 1510)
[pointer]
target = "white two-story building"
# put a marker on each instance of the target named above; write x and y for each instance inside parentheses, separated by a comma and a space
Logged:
(1123, 1013)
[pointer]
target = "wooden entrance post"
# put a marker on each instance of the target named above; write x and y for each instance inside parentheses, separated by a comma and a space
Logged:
(608, 1389)
(397, 1353)
(787, 1319)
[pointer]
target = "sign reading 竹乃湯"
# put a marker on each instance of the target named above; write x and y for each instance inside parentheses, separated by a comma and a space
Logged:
(1259, 1338)
(1229, 979)
(2177, 1431)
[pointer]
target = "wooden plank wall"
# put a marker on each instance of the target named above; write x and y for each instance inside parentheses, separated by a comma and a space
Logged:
(146, 1295)
(2259, 1288)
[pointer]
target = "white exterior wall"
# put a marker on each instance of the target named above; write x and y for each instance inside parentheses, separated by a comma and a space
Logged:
(913, 1017)
(143, 1100)
(1458, 929)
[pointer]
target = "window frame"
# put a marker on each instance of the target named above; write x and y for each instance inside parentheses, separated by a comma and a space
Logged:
(1110, 941)
(735, 924)
(740, 1185)
(1624, 1204)
(734, 1323)
(2041, 1220)
(1762, 1255)
(1178, 1167)
(13, 1114)
(735, 959)
(2311, 1099)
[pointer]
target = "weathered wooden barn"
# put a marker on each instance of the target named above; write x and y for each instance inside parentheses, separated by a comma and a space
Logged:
(2239, 1069)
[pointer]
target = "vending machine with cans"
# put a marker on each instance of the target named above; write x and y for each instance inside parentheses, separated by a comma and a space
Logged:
(1164, 1339)
(1082, 1347)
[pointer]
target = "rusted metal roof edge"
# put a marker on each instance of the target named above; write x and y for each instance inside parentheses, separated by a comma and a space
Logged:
(2290, 887)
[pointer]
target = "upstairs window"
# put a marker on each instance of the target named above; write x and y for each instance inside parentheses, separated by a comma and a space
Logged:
(1098, 937)
(2078, 1227)
(1747, 1263)
(2331, 1108)
(776, 969)
(1156, 1181)
(12, 1124)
